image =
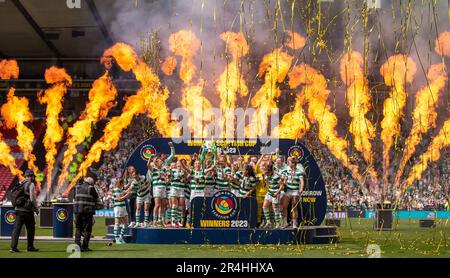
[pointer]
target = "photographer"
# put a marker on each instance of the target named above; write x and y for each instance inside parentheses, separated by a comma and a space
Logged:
(23, 197)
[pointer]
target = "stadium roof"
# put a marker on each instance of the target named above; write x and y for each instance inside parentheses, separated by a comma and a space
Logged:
(48, 28)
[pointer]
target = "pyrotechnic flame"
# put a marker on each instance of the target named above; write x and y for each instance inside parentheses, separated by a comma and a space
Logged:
(169, 65)
(275, 67)
(101, 99)
(231, 80)
(7, 160)
(358, 100)
(424, 114)
(316, 94)
(294, 124)
(53, 97)
(9, 69)
(193, 100)
(185, 44)
(294, 40)
(148, 99)
(433, 153)
(442, 44)
(397, 71)
(16, 113)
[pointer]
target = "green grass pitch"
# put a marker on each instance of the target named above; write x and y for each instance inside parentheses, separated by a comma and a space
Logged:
(408, 240)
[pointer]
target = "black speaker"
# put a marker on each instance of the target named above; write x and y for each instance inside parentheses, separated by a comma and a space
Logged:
(427, 223)
(384, 220)
(333, 222)
(46, 217)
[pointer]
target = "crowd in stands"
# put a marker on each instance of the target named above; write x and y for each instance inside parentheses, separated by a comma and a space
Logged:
(429, 193)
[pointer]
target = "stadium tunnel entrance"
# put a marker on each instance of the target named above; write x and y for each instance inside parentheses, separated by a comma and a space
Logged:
(314, 197)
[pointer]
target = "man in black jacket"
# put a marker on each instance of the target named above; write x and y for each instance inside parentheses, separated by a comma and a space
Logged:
(86, 199)
(25, 214)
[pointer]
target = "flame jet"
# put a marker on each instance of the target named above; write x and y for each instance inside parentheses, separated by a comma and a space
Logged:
(433, 153)
(358, 100)
(231, 81)
(185, 43)
(294, 40)
(274, 67)
(397, 72)
(8, 69)
(53, 97)
(424, 114)
(16, 113)
(149, 96)
(316, 93)
(169, 65)
(295, 124)
(101, 99)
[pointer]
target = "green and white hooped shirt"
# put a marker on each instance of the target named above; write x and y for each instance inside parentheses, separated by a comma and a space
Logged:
(293, 179)
(222, 182)
(247, 184)
(134, 187)
(146, 191)
(158, 177)
(176, 178)
(116, 194)
(236, 185)
(273, 183)
(210, 181)
(198, 180)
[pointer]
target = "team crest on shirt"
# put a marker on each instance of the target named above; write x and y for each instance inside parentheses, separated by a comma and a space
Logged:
(10, 217)
(62, 215)
(296, 151)
(147, 151)
(224, 205)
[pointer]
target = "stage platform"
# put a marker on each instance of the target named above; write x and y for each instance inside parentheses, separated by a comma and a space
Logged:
(303, 235)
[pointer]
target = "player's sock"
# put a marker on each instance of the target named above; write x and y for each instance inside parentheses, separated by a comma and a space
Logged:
(277, 216)
(155, 218)
(116, 231)
(123, 231)
(169, 214)
(161, 218)
(138, 217)
(146, 216)
(173, 214)
(179, 214)
(272, 215)
(266, 214)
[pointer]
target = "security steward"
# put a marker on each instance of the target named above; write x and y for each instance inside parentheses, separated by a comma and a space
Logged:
(24, 199)
(86, 200)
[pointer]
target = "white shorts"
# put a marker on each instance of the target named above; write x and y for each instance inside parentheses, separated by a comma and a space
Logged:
(209, 191)
(293, 193)
(159, 192)
(236, 192)
(176, 192)
(147, 199)
(197, 193)
(120, 212)
(273, 200)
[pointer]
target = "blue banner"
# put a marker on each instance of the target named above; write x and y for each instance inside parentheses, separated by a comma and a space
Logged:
(314, 197)
(224, 210)
(414, 214)
(104, 213)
